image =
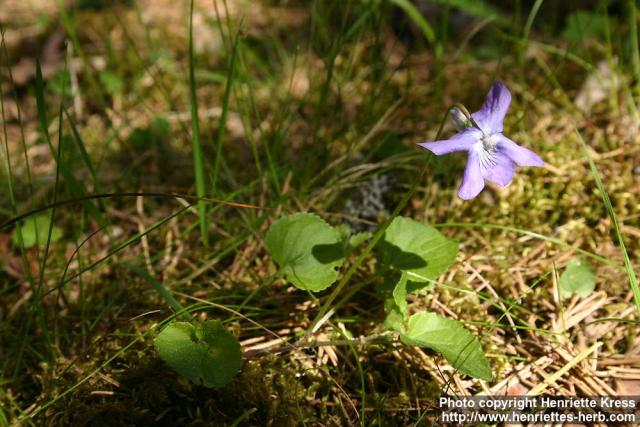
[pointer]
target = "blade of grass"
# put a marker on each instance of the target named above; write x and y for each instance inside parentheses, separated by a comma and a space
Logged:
(7, 163)
(25, 327)
(5, 415)
(42, 115)
(69, 24)
(74, 186)
(530, 19)
(564, 53)
(522, 46)
(330, 61)
(414, 14)
(633, 279)
(63, 281)
(14, 88)
(138, 236)
(83, 152)
(242, 67)
(613, 89)
(478, 8)
(166, 295)
(246, 414)
(635, 49)
(198, 161)
(223, 116)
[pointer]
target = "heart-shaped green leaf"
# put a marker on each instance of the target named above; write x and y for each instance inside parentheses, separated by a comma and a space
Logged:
(417, 249)
(207, 354)
(307, 249)
(577, 278)
(451, 339)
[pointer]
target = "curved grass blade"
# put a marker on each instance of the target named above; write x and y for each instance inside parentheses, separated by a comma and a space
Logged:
(414, 14)
(633, 279)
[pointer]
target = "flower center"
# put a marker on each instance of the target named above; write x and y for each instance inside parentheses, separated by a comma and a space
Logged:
(487, 151)
(490, 143)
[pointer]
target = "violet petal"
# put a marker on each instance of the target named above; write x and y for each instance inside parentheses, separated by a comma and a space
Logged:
(491, 114)
(501, 170)
(472, 181)
(462, 141)
(520, 155)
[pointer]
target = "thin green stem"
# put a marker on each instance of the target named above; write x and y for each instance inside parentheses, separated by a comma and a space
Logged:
(198, 161)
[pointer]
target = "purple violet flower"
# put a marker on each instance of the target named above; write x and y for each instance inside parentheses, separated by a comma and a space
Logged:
(492, 155)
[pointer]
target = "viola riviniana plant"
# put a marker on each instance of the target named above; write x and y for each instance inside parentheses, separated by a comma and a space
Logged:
(492, 155)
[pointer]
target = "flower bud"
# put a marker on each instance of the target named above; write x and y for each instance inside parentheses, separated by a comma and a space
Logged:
(460, 120)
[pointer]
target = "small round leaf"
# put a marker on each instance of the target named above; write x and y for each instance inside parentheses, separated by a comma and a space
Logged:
(207, 354)
(307, 249)
(35, 231)
(577, 278)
